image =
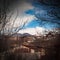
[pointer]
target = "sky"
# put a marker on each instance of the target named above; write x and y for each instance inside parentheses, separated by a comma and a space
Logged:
(33, 14)
(41, 11)
(44, 12)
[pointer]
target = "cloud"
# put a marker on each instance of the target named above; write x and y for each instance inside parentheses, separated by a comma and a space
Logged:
(18, 22)
(24, 19)
(33, 31)
(48, 15)
(17, 17)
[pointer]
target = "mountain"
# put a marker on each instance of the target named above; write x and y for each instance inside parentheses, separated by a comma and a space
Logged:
(33, 31)
(37, 31)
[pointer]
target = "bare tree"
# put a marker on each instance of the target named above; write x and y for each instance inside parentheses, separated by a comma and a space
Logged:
(6, 21)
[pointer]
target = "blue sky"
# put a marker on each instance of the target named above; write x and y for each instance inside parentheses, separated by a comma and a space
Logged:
(33, 14)
(46, 13)
(32, 24)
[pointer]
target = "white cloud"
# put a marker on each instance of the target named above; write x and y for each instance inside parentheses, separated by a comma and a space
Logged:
(18, 17)
(33, 31)
(24, 6)
(19, 21)
(17, 13)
